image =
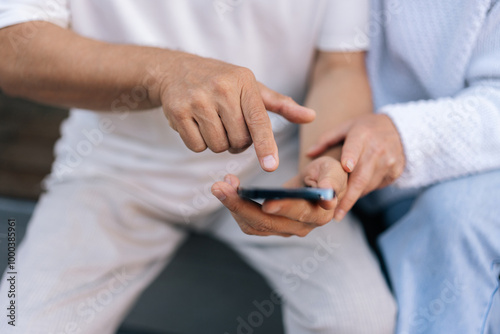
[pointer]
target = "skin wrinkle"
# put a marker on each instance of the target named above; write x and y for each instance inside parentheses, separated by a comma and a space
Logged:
(62, 68)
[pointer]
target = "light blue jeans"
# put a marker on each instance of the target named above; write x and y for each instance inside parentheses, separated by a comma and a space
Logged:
(443, 258)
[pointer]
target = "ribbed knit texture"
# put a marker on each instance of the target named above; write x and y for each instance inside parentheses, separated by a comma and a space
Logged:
(435, 70)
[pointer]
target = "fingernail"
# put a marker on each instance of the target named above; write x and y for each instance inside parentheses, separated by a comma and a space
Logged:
(219, 194)
(272, 209)
(350, 165)
(269, 162)
(227, 179)
(339, 215)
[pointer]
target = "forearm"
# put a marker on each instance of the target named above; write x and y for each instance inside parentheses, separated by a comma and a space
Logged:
(450, 137)
(339, 91)
(62, 68)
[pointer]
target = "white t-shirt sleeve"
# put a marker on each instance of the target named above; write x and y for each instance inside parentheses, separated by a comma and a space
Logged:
(345, 23)
(20, 11)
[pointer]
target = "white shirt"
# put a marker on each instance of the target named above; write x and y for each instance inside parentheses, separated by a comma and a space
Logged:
(276, 39)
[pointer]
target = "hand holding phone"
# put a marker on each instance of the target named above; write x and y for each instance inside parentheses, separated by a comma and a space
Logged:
(286, 217)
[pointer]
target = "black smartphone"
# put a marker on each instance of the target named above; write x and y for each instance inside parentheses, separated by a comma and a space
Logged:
(310, 194)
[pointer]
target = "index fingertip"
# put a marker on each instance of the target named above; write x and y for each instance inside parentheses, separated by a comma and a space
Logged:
(307, 114)
(269, 163)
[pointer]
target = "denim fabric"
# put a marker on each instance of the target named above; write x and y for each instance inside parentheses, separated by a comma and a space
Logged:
(443, 257)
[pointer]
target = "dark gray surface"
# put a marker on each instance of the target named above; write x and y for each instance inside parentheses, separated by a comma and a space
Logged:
(205, 289)
(20, 211)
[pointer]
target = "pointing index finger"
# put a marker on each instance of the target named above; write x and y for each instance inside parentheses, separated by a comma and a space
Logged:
(260, 128)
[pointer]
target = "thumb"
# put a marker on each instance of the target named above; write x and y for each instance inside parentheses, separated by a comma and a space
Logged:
(285, 106)
(326, 173)
(226, 191)
(331, 176)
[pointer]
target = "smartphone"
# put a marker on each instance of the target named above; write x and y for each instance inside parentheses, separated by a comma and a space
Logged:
(310, 194)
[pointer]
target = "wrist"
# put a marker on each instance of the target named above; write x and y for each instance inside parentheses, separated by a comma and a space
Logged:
(160, 72)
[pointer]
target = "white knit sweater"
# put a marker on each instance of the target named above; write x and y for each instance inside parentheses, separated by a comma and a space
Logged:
(435, 70)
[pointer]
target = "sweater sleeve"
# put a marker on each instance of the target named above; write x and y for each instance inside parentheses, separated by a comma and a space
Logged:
(457, 136)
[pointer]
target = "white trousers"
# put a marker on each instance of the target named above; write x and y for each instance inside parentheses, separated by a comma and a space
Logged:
(94, 245)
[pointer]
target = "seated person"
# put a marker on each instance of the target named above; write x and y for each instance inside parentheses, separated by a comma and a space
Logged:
(435, 69)
(148, 83)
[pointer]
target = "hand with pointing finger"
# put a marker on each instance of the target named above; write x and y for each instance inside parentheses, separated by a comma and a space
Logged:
(372, 153)
(216, 105)
(286, 217)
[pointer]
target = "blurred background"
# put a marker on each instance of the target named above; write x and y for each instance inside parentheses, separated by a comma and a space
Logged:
(206, 289)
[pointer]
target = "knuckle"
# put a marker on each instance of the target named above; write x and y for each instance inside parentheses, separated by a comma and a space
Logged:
(302, 233)
(221, 84)
(245, 74)
(219, 147)
(256, 117)
(235, 207)
(240, 145)
(197, 147)
(177, 111)
(264, 225)
(240, 139)
(359, 182)
(326, 164)
(303, 217)
(233, 150)
(197, 99)
(172, 124)
(262, 143)
(247, 229)
(379, 150)
(391, 162)
(397, 171)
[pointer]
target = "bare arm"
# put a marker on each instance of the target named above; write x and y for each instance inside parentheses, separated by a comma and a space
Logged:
(210, 103)
(339, 91)
(57, 66)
